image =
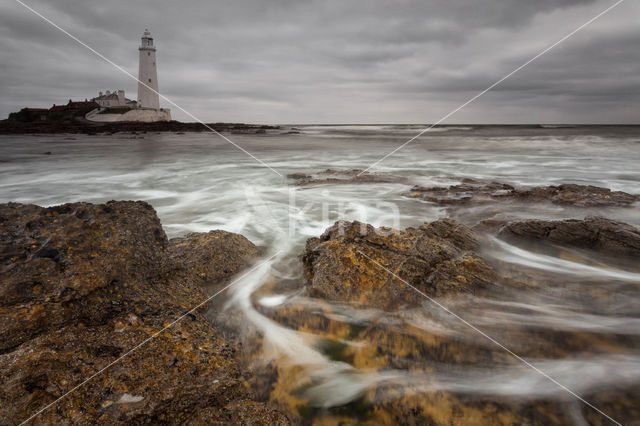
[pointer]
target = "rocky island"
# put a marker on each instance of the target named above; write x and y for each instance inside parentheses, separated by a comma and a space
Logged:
(79, 126)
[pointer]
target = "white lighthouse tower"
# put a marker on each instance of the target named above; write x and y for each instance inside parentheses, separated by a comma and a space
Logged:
(148, 74)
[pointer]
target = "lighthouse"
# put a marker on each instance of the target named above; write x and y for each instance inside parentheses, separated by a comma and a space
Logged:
(114, 107)
(147, 74)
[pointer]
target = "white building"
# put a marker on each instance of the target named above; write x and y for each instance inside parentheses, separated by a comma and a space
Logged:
(148, 74)
(114, 99)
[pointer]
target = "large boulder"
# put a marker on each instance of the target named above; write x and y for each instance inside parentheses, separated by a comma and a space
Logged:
(86, 287)
(351, 261)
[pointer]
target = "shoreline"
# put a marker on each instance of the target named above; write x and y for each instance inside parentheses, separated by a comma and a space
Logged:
(9, 127)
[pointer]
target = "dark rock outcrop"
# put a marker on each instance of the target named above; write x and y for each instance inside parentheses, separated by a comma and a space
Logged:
(82, 285)
(577, 195)
(474, 192)
(298, 176)
(460, 194)
(437, 259)
(593, 233)
(354, 176)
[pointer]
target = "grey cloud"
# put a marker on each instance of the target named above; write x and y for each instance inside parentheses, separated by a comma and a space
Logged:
(331, 60)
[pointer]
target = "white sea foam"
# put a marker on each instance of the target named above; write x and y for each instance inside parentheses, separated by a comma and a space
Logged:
(513, 254)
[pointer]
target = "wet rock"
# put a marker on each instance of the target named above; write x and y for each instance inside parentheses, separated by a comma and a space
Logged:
(211, 258)
(84, 284)
(427, 353)
(461, 194)
(471, 191)
(578, 195)
(593, 233)
(298, 176)
(437, 259)
(354, 176)
(67, 264)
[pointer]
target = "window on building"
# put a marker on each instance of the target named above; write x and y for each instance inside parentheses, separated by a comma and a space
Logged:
(148, 53)
(149, 80)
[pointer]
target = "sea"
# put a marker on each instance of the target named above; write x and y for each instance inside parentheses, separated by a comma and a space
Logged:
(199, 182)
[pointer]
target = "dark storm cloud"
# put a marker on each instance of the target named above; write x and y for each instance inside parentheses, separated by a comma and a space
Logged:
(334, 60)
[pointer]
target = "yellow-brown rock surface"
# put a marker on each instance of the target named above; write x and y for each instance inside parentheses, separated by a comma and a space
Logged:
(82, 285)
(436, 258)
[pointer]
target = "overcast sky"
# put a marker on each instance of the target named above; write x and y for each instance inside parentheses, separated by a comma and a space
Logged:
(334, 61)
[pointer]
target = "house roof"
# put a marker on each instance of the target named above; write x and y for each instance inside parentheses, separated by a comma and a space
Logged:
(72, 105)
(80, 104)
